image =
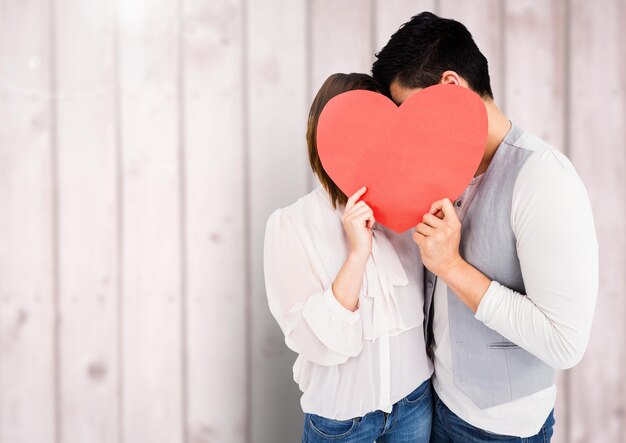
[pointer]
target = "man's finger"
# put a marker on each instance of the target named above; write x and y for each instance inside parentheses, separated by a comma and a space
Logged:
(442, 207)
(424, 229)
(448, 208)
(418, 238)
(432, 220)
(436, 206)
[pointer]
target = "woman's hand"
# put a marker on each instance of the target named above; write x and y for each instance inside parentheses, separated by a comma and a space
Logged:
(357, 220)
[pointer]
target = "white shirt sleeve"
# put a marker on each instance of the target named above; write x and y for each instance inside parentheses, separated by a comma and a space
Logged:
(313, 321)
(558, 254)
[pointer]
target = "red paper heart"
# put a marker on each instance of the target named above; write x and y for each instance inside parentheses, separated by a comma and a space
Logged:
(408, 156)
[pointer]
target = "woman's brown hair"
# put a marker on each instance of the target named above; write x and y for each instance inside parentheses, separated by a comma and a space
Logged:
(334, 85)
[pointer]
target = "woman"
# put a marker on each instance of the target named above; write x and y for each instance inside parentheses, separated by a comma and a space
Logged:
(348, 295)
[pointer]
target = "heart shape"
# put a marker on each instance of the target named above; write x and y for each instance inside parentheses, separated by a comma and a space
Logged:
(408, 156)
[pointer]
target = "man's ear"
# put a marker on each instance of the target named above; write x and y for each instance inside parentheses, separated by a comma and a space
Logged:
(451, 77)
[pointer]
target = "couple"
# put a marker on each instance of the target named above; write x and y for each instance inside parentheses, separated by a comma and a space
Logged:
(452, 331)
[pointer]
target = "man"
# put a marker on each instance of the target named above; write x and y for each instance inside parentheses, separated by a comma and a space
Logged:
(512, 264)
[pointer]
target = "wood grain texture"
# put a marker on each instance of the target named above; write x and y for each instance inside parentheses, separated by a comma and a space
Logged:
(215, 218)
(389, 16)
(484, 20)
(28, 294)
(348, 48)
(278, 175)
(597, 132)
(534, 59)
(143, 144)
(153, 393)
(535, 97)
(88, 210)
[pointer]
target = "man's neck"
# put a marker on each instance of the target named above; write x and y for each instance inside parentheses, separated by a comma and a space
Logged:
(498, 126)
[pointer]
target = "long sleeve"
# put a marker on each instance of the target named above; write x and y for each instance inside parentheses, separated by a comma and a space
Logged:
(314, 323)
(558, 254)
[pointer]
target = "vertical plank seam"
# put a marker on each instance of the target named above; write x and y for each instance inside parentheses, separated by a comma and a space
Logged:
(567, 388)
(182, 215)
(308, 70)
(503, 56)
(621, 15)
(373, 29)
(566, 77)
(247, 211)
(119, 202)
(54, 205)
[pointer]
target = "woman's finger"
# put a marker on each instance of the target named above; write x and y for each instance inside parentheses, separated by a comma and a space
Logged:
(357, 207)
(353, 199)
(361, 214)
(370, 221)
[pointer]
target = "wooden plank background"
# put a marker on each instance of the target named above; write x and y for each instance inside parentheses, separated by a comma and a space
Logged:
(143, 143)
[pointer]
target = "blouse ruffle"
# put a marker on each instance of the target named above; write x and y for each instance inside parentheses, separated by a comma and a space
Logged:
(383, 274)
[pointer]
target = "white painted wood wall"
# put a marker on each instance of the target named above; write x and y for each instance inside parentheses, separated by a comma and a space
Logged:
(143, 143)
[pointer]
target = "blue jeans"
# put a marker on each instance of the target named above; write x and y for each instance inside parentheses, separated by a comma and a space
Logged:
(409, 421)
(450, 428)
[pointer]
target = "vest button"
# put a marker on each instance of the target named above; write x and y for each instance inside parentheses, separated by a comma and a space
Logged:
(430, 284)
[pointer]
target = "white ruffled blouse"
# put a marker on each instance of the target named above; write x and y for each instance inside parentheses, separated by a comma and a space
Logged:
(349, 363)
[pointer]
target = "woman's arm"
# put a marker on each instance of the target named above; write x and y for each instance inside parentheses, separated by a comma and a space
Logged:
(313, 318)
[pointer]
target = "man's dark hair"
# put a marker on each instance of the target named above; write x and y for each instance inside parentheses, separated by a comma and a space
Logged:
(427, 46)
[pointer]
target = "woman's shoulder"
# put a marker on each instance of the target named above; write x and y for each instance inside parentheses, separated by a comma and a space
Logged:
(312, 219)
(306, 209)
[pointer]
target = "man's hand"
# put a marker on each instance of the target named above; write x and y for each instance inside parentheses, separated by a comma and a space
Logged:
(438, 237)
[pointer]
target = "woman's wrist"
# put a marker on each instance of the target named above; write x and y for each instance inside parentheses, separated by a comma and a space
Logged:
(358, 258)
(347, 284)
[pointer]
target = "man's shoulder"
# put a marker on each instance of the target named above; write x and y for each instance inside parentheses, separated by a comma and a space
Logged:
(543, 160)
(547, 172)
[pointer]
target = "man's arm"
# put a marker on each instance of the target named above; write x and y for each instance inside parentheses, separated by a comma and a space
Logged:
(558, 253)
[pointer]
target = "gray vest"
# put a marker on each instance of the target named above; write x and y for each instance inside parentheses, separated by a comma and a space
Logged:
(487, 367)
